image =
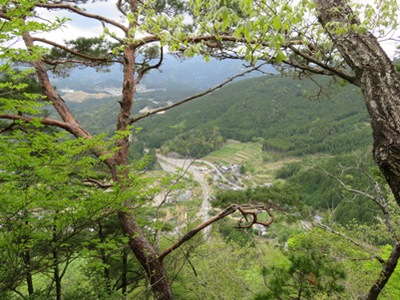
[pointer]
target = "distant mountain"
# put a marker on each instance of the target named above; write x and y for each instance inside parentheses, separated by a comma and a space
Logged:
(193, 74)
(196, 73)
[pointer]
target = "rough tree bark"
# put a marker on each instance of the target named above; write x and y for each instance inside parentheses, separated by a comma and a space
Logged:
(380, 85)
(139, 244)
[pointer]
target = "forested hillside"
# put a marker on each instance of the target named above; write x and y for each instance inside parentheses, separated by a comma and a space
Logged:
(287, 115)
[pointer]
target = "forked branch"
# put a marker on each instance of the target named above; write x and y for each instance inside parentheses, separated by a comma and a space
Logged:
(254, 211)
(245, 210)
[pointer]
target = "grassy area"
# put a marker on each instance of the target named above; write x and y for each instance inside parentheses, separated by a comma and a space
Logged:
(235, 152)
(251, 156)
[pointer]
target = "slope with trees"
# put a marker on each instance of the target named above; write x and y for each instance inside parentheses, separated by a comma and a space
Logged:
(289, 119)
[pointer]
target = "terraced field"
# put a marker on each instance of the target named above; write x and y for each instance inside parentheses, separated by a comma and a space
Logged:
(250, 156)
(235, 152)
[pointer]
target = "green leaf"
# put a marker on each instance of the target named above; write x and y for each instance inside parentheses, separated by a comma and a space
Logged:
(247, 32)
(276, 23)
(280, 56)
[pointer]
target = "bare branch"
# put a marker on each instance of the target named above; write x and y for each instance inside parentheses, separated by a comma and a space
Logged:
(224, 213)
(83, 13)
(378, 199)
(332, 70)
(254, 212)
(351, 190)
(119, 6)
(146, 69)
(209, 91)
(346, 238)
(66, 49)
(44, 121)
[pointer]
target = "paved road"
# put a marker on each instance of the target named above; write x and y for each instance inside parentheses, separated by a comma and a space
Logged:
(223, 178)
(185, 167)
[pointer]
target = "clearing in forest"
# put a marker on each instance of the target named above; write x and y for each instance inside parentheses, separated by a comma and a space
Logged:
(251, 156)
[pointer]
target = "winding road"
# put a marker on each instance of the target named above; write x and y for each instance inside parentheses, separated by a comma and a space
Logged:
(185, 167)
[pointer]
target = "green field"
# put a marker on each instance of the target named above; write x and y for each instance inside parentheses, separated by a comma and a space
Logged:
(251, 156)
(235, 152)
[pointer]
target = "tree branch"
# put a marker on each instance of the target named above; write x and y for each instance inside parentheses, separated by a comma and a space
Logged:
(378, 199)
(12, 126)
(119, 6)
(209, 91)
(98, 183)
(254, 214)
(70, 124)
(66, 49)
(5, 17)
(82, 13)
(44, 121)
(146, 69)
(303, 67)
(332, 70)
(224, 213)
(387, 270)
(195, 39)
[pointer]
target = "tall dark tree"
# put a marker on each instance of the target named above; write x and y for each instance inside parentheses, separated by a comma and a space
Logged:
(375, 74)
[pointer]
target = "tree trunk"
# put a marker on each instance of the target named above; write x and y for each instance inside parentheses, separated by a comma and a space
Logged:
(29, 279)
(118, 163)
(56, 264)
(27, 263)
(147, 256)
(138, 243)
(380, 86)
(104, 259)
(386, 272)
(124, 272)
(379, 83)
